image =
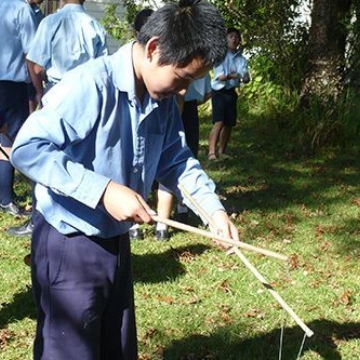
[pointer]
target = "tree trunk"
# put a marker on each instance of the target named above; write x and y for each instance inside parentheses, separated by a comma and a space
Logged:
(323, 80)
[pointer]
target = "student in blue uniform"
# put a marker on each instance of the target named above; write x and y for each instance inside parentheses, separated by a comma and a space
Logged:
(17, 31)
(64, 40)
(106, 131)
(227, 77)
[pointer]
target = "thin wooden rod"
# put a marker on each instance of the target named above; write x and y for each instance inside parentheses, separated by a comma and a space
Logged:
(219, 238)
(208, 218)
(247, 263)
(272, 291)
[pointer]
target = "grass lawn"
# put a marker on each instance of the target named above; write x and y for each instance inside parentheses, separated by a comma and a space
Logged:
(195, 302)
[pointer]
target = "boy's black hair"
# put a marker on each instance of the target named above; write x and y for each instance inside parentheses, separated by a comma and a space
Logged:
(187, 30)
(141, 18)
(233, 29)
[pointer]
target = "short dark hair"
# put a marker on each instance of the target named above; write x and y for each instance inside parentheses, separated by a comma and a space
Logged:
(233, 29)
(187, 30)
(141, 18)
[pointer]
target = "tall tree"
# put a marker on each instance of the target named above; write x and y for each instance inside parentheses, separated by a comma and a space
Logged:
(324, 77)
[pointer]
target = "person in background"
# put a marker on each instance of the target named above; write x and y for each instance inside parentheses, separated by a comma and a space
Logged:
(227, 77)
(17, 31)
(57, 50)
(106, 131)
(64, 40)
(197, 93)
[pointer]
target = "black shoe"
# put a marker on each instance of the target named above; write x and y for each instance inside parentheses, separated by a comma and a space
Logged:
(182, 217)
(162, 235)
(12, 209)
(136, 234)
(24, 230)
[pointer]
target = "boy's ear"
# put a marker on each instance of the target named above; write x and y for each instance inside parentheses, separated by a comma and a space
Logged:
(151, 47)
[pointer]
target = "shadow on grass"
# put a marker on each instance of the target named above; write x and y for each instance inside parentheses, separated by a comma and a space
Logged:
(155, 268)
(22, 306)
(328, 335)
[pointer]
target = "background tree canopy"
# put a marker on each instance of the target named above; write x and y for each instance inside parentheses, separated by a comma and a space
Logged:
(304, 57)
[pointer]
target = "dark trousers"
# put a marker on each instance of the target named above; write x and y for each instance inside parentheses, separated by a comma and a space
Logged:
(190, 118)
(14, 107)
(84, 296)
(224, 106)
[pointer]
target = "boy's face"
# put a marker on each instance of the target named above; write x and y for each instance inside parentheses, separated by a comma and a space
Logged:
(167, 80)
(233, 40)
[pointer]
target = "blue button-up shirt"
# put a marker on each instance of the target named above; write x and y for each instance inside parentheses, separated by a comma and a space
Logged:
(233, 62)
(66, 39)
(92, 129)
(198, 89)
(17, 30)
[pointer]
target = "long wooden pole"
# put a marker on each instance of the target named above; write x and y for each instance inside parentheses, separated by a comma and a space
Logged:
(219, 238)
(247, 263)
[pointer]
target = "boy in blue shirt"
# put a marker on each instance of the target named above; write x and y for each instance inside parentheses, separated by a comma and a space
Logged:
(17, 31)
(107, 130)
(227, 77)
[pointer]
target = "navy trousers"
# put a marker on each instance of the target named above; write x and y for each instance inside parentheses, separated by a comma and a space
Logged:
(190, 118)
(14, 107)
(83, 291)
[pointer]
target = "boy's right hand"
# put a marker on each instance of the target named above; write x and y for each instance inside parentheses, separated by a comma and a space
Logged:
(124, 204)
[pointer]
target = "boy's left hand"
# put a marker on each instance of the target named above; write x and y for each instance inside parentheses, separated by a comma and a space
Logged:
(224, 227)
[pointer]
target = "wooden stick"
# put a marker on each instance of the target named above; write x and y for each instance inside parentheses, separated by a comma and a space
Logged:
(219, 238)
(273, 292)
(256, 273)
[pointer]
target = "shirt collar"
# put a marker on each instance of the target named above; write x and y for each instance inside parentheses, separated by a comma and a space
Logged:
(123, 74)
(72, 7)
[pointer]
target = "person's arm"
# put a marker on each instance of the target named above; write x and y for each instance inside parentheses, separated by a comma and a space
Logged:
(41, 152)
(37, 76)
(244, 72)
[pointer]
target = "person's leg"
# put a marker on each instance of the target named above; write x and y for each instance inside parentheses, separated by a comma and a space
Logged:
(164, 207)
(77, 281)
(213, 139)
(229, 121)
(218, 112)
(14, 110)
(119, 315)
(224, 139)
(190, 118)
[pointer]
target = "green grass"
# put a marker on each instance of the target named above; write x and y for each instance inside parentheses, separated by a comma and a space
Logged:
(195, 302)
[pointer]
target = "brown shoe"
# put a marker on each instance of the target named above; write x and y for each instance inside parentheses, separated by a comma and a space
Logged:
(27, 260)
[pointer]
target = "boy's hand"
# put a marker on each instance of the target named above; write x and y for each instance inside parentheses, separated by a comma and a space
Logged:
(123, 203)
(224, 227)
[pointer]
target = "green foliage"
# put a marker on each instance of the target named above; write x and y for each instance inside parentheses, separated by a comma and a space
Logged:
(119, 29)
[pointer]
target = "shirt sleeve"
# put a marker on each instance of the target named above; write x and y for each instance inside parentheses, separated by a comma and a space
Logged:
(40, 149)
(40, 50)
(27, 27)
(243, 68)
(219, 70)
(184, 169)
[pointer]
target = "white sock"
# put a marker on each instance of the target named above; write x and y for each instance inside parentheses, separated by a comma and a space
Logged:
(161, 226)
(135, 226)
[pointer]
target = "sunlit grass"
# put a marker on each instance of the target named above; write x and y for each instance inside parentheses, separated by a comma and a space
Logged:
(195, 302)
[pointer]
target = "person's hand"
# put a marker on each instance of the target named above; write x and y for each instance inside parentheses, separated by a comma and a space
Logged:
(224, 227)
(123, 203)
(233, 75)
